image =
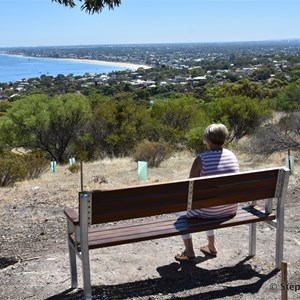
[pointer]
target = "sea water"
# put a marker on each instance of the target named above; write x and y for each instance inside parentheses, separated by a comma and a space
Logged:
(13, 68)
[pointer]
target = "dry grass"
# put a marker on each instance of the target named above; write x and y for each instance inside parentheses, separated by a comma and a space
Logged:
(123, 172)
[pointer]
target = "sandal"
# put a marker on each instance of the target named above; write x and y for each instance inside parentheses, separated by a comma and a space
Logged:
(206, 250)
(183, 257)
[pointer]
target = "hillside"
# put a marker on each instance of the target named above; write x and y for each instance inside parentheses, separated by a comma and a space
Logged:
(34, 258)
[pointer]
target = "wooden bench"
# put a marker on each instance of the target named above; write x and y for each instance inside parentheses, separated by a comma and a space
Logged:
(164, 199)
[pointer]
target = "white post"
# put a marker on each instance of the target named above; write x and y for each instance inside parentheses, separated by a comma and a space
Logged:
(84, 246)
(72, 257)
(281, 191)
(252, 235)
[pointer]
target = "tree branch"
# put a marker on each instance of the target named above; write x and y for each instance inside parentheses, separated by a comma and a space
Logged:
(91, 6)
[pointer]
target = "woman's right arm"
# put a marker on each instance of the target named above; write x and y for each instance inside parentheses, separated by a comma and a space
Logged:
(196, 168)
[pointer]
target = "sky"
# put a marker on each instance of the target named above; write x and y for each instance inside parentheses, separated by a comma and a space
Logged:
(46, 23)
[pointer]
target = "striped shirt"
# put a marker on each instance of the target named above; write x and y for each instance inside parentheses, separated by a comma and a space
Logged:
(216, 162)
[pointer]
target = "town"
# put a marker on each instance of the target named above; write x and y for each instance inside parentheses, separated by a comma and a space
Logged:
(183, 68)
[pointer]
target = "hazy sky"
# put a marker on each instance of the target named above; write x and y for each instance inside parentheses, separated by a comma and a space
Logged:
(45, 23)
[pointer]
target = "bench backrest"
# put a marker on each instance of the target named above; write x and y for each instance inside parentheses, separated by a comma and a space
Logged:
(103, 206)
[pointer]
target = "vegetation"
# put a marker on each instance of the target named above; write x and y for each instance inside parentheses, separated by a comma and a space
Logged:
(17, 167)
(11, 169)
(240, 113)
(147, 112)
(154, 153)
(75, 168)
(282, 136)
(91, 6)
(38, 122)
(194, 140)
(35, 164)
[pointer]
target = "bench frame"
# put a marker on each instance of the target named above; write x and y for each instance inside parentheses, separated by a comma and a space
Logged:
(79, 224)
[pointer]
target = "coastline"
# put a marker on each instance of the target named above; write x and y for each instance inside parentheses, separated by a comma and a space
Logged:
(107, 63)
(124, 65)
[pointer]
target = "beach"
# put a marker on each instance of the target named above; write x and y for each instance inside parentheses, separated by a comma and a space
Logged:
(18, 66)
(124, 65)
(107, 63)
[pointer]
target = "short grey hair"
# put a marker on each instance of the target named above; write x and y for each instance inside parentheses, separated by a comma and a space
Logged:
(216, 134)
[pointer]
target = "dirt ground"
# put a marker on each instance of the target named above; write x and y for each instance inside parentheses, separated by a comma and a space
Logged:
(34, 259)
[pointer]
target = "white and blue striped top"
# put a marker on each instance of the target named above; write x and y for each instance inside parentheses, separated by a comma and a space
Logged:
(216, 162)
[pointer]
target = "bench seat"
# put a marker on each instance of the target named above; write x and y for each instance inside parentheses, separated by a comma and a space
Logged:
(167, 226)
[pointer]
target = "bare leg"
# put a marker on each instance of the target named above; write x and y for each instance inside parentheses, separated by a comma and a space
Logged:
(188, 254)
(189, 249)
(211, 243)
(210, 248)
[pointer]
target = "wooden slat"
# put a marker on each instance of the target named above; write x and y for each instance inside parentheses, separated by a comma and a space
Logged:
(169, 226)
(155, 223)
(231, 199)
(242, 188)
(171, 232)
(150, 198)
(237, 178)
(156, 226)
(163, 198)
(72, 215)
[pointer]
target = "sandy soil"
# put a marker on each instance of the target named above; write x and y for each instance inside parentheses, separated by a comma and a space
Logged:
(34, 258)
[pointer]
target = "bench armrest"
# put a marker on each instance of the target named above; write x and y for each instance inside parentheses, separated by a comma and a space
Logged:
(72, 215)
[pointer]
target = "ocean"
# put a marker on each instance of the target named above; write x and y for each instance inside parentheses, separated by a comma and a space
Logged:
(13, 68)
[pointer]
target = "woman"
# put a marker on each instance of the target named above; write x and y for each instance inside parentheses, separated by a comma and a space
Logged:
(215, 161)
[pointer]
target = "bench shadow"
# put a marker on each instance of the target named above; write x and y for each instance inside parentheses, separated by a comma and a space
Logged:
(7, 261)
(179, 277)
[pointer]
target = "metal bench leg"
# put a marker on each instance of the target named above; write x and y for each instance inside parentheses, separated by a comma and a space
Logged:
(73, 265)
(281, 191)
(279, 238)
(72, 258)
(252, 239)
(87, 289)
(85, 259)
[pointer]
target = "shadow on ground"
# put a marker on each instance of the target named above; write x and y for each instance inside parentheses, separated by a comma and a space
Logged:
(7, 261)
(183, 277)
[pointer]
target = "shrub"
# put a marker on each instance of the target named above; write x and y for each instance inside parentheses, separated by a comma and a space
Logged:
(74, 168)
(194, 140)
(154, 153)
(12, 169)
(36, 164)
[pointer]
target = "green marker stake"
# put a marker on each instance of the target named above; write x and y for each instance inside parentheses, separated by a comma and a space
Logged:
(290, 162)
(53, 166)
(142, 170)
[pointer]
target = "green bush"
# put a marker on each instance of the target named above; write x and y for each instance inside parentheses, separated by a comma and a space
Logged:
(12, 169)
(36, 164)
(194, 140)
(154, 153)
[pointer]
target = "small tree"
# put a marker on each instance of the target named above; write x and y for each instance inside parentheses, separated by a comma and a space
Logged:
(117, 126)
(41, 123)
(154, 153)
(289, 99)
(271, 138)
(242, 114)
(176, 116)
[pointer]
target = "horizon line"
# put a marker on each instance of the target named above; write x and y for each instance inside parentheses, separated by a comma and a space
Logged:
(157, 43)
